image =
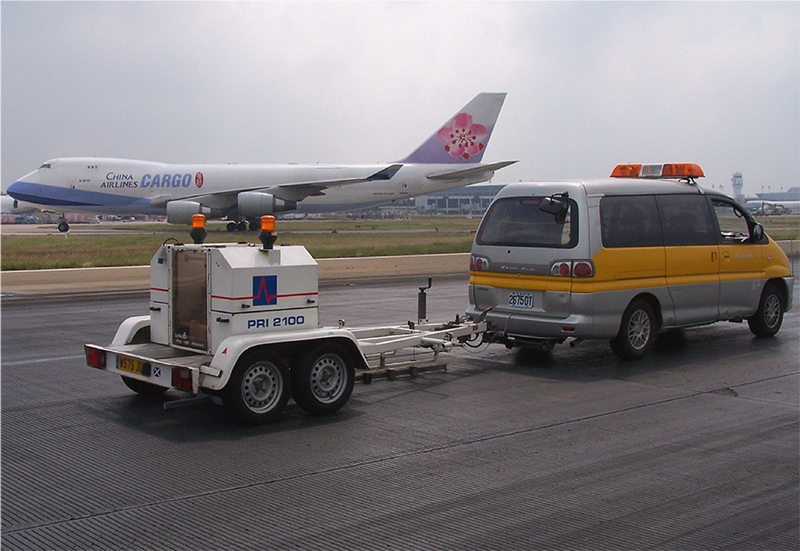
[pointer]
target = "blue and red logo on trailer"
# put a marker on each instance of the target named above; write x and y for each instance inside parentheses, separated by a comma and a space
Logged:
(265, 290)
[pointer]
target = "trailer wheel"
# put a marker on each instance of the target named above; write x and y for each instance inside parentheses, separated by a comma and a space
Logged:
(637, 332)
(323, 379)
(258, 388)
(143, 388)
(768, 318)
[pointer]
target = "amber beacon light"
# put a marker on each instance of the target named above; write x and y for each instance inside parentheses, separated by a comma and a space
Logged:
(198, 233)
(267, 235)
(665, 170)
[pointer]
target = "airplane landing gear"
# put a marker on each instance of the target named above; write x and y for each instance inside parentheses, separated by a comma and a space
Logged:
(242, 225)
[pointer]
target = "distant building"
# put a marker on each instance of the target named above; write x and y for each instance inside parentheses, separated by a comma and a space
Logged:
(792, 194)
(468, 200)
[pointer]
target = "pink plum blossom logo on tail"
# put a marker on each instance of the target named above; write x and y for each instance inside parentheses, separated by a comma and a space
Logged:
(463, 138)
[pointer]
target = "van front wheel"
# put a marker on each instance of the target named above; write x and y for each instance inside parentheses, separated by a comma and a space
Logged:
(636, 332)
(768, 318)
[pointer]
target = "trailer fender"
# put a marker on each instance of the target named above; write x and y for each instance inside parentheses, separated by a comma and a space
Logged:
(236, 346)
(129, 328)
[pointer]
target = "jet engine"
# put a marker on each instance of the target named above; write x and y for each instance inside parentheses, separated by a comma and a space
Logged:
(180, 212)
(254, 204)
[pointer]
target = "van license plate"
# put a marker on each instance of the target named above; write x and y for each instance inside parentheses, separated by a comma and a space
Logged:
(520, 300)
(132, 365)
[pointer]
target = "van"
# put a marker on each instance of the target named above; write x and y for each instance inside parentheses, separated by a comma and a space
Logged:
(623, 258)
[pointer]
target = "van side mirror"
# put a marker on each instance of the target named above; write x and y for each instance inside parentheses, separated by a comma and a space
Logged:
(556, 205)
(757, 232)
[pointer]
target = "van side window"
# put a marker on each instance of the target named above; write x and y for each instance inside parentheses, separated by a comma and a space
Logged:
(516, 221)
(732, 221)
(630, 221)
(686, 220)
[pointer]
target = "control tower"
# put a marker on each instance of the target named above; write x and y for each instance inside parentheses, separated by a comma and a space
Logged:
(738, 183)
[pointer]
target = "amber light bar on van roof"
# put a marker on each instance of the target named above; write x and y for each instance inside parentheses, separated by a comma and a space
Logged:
(665, 170)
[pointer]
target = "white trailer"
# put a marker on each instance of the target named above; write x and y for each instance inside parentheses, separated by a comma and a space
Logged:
(240, 324)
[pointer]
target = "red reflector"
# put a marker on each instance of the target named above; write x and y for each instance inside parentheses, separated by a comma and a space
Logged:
(582, 269)
(181, 378)
(564, 269)
(95, 358)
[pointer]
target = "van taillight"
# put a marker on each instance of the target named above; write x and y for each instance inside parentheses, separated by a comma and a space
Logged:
(576, 268)
(477, 263)
(560, 269)
(95, 358)
(582, 269)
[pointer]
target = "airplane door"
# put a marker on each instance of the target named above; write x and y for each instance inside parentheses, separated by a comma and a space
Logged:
(692, 257)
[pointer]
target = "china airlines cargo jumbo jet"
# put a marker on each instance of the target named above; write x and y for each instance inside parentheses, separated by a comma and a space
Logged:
(450, 158)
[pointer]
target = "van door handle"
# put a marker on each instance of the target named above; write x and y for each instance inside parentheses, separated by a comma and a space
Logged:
(713, 257)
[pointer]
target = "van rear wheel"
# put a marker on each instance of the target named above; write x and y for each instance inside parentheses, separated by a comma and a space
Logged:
(636, 332)
(768, 318)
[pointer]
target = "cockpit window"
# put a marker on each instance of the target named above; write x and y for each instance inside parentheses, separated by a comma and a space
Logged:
(45, 165)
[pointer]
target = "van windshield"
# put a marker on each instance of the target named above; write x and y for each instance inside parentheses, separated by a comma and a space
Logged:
(517, 221)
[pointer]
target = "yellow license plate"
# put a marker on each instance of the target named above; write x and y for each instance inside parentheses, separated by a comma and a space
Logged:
(132, 365)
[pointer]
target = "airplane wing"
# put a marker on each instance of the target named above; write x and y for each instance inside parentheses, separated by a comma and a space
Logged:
(300, 190)
(468, 172)
(292, 191)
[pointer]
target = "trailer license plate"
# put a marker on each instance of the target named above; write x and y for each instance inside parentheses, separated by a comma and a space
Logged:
(520, 300)
(132, 365)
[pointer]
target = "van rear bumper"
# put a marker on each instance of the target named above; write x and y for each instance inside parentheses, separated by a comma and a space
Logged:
(583, 322)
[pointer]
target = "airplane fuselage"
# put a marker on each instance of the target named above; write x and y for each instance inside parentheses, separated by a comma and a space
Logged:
(123, 186)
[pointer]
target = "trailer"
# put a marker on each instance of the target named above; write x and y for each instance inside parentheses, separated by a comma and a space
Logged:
(238, 325)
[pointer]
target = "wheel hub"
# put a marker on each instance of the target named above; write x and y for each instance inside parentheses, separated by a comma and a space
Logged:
(327, 379)
(261, 388)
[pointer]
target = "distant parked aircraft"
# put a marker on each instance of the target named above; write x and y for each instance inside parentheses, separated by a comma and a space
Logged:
(758, 206)
(13, 206)
(450, 157)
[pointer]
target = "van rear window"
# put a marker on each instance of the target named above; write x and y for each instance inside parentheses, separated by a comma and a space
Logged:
(518, 222)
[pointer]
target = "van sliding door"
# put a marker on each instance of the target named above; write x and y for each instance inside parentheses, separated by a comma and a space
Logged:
(692, 255)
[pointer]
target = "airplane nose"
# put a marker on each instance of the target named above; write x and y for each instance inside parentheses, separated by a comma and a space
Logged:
(22, 190)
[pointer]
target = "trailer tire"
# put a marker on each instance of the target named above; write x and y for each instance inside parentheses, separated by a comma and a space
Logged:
(143, 388)
(323, 378)
(258, 388)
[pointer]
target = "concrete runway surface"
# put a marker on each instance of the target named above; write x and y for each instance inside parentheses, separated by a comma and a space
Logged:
(695, 447)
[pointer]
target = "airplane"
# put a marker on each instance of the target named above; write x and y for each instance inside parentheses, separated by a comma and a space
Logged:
(13, 206)
(759, 206)
(450, 157)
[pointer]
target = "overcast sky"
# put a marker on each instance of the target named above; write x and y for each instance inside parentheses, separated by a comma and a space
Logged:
(589, 84)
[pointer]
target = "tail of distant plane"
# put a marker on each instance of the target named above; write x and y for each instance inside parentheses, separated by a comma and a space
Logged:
(463, 138)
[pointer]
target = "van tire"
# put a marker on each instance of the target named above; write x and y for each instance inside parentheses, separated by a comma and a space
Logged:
(637, 331)
(769, 316)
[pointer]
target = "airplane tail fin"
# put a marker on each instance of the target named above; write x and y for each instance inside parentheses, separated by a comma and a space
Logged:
(463, 138)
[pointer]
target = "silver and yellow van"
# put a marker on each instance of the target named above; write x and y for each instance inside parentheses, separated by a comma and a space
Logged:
(622, 259)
